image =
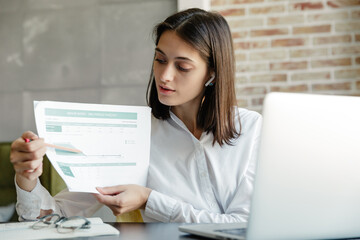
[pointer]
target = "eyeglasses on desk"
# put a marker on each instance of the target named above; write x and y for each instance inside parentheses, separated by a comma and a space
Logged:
(62, 224)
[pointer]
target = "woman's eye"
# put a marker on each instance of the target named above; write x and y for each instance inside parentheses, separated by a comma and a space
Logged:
(160, 60)
(182, 68)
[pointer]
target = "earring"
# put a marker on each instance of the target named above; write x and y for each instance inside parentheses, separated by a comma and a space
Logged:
(209, 83)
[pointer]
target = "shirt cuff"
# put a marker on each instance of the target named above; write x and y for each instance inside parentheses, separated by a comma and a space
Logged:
(160, 206)
(29, 203)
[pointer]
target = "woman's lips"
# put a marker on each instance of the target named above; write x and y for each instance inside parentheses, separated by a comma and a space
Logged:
(165, 90)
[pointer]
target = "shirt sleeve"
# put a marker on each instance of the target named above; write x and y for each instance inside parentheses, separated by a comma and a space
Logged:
(28, 204)
(241, 202)
(65, 203)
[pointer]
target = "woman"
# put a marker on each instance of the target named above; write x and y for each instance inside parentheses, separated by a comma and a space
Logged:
(203, 148)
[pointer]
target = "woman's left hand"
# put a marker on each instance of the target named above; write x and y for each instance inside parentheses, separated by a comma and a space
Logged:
(123, 198)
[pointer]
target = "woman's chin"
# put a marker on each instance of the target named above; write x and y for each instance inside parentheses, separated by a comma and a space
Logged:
(166, 102)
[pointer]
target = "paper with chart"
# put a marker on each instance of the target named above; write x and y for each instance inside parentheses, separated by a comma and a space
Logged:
(114, 142)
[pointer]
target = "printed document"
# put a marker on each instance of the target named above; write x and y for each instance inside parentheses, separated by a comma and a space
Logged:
(114, 142)
(23, 231)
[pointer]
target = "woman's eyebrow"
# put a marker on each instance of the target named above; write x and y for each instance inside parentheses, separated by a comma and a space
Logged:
(181, 58)
(160, 51)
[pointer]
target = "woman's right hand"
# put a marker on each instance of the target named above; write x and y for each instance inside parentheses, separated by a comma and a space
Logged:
(27, 158)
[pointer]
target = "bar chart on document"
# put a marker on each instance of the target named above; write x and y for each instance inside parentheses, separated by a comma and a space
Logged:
(114, 142)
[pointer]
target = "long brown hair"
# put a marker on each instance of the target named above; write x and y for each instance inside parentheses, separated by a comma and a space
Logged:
(209, 33)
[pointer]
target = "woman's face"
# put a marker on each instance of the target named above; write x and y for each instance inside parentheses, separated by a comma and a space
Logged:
(180, 72)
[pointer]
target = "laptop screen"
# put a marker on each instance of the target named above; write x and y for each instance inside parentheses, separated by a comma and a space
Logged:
(307, 182)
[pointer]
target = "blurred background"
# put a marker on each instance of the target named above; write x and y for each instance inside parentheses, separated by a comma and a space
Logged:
(91, 51)
(100, 51)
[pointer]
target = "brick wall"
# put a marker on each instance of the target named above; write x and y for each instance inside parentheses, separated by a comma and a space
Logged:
(293, 46)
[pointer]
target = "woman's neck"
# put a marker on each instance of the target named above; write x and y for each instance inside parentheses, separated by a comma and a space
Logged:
(188, 115)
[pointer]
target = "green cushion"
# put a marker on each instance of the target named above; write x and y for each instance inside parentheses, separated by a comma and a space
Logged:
(7, 187)
(49, 178)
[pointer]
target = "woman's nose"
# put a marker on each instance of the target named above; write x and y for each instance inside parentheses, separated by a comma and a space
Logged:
(167, 73)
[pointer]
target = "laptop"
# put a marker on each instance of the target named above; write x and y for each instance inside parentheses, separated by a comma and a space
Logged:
(307, 183)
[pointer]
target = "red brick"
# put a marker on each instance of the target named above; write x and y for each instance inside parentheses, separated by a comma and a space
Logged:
(331, 62)
(357, 60)
(269, 32)
(328, 16)
(355, 14)
(290, 88)
(331, 86)
(343, 3)
(218, 2)
(358, 85)
(307, 6)
(356, 94)
(310, 76)
(257, 101)
(267, 10)
(268, 78)
(347, 73)
(357, 37)
(347, 26)
(346, 50)
(309, 52)
(332, 39)
(250, 91)
(268, 55)
(244, 1)
(233, 12)
(239, 34)
(312, 29)
(251, 44)
(288, 42)
(286, 20)
(288, 65)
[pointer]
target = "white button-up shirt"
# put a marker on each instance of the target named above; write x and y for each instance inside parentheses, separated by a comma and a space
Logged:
(192, 179)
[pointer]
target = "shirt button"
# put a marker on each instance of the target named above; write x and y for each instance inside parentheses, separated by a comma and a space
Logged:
(203, 174)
